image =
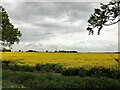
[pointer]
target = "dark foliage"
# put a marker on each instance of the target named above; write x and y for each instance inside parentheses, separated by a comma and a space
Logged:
(93, 72)
(104, 16)
(9, 33)
(49, 68)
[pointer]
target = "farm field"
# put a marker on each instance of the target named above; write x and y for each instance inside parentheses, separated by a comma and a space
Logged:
(76, 70)
(67, 60)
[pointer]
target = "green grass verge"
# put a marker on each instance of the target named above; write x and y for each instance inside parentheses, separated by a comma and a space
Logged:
(9, 84)
(50, 80)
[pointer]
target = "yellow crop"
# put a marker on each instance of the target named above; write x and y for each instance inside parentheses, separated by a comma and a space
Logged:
(68, 60)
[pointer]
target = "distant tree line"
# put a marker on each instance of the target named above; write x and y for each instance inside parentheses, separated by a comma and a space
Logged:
(66, 51)
(6, 50)
(61, 51)
(31, 51)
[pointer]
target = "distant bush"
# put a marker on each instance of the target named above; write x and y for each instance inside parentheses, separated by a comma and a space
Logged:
(31, 51)
(20, 50)
(63, 51)
(6, 50)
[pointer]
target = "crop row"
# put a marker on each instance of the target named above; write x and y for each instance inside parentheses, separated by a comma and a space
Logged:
(55, 68)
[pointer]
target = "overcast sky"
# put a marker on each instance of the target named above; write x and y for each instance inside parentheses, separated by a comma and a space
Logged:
(59, 26)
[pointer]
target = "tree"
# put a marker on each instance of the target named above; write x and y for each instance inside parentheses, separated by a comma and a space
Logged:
(106, 15)
(9, 34)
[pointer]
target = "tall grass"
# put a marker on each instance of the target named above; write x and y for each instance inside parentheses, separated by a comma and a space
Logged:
(36, 80)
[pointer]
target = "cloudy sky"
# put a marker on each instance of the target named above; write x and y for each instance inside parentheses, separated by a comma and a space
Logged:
(59, 26)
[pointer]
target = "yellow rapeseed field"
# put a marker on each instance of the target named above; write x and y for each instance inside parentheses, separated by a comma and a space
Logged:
(68, 60)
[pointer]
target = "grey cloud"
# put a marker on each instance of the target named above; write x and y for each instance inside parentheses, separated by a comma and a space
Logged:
(35, 13)
(32, 11)
(35, 35)
(52, 25)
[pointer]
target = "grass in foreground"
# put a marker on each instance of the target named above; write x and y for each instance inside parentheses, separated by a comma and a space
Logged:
(50, 80)
(9, 84)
